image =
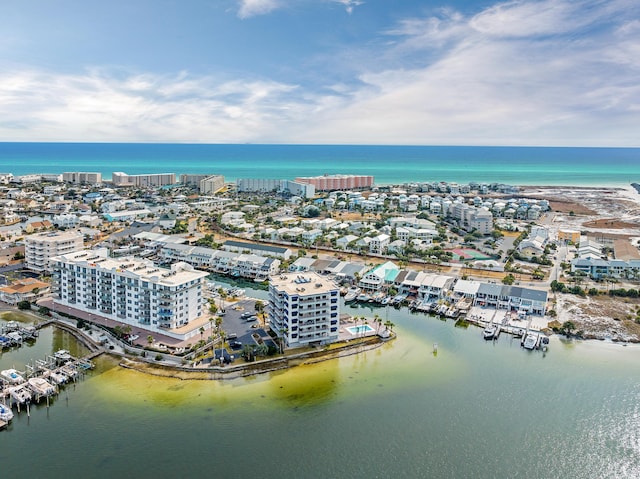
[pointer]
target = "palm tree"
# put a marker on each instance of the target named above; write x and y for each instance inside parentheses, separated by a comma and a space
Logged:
(378, 320)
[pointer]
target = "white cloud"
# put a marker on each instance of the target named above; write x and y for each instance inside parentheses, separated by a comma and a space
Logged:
(349, 4)
(98, 107)
(251, 8)
(446, 79)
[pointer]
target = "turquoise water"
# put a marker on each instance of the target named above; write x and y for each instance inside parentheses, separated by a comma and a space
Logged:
(360, 329)
(388, 164)
(476, 409)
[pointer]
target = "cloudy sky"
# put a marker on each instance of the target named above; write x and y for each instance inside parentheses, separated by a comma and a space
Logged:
(427, 72)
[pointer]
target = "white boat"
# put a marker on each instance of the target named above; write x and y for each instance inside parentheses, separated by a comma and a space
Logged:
(489, 332)
(530, 341)
(58, 377)
(363, 298)
(11, 326)
(6, 414)
(69, 371)
(352, 293)
(20, 394)
(41, 387)
(12, 376)
(62, 355)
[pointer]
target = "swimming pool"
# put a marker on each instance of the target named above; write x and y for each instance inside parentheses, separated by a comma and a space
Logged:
(364, 328)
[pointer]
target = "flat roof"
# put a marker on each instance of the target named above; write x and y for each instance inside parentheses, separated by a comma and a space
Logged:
(302, 284)
(263, 247)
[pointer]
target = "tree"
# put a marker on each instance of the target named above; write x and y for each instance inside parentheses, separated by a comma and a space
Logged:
(213, 309)
(150, 340)
(508, 279)
(259, 307)
(567, 328)
(24, 305)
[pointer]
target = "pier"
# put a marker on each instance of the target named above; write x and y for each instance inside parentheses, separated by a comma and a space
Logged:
(41, 379)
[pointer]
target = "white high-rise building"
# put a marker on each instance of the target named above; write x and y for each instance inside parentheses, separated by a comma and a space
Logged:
(304, 309)
(129, 290)
(40, 248)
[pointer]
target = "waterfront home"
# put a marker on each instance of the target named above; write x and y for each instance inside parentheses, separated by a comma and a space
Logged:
(304, 309)
(381, 275)
(527, 300)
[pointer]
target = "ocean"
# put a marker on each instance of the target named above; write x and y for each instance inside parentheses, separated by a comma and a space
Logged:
(388, 164)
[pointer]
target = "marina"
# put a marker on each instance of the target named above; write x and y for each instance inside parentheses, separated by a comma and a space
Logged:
(42, 379)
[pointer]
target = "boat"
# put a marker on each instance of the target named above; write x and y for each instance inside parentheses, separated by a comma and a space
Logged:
(384, 301)
(58, 377)
(545, 343)
(20, 394)
(352, 293)
(363, 298)
(6, 414)
(530, 341)
(11, 326)
(12, 376)
(69, 370)
(489, 332)
(41, 387)
(62, 355)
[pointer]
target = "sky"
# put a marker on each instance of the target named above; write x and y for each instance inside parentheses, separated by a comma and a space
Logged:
(394, 72)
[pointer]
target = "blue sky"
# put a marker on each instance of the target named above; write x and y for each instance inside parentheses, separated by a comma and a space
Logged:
(544, 72)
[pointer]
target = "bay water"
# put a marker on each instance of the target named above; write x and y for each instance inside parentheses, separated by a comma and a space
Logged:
(477, 408)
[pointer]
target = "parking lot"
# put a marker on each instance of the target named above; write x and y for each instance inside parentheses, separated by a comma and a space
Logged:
(240, 324)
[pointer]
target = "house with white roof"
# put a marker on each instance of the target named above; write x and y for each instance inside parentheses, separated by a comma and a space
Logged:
(378, 244)
(379, 276)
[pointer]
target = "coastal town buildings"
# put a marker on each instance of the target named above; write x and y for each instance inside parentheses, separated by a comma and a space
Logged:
(82, 177)
(130, 290)
(304, 309)
(337, 182)
(266, 185)
(41, 247)
(121, 179)
(27, 289)
(206, 184)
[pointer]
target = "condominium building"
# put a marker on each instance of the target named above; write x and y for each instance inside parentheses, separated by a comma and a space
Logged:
(304, 309)
(82, 177)
(211, 184)
(265, 185)
(206, 184)
(129, 290)
(41, 247)
(160, 179)
(338, 182)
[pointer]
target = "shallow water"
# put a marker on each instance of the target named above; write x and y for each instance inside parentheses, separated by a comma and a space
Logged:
(476, 409)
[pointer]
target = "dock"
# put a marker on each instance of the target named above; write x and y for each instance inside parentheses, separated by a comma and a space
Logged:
(42, 379)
